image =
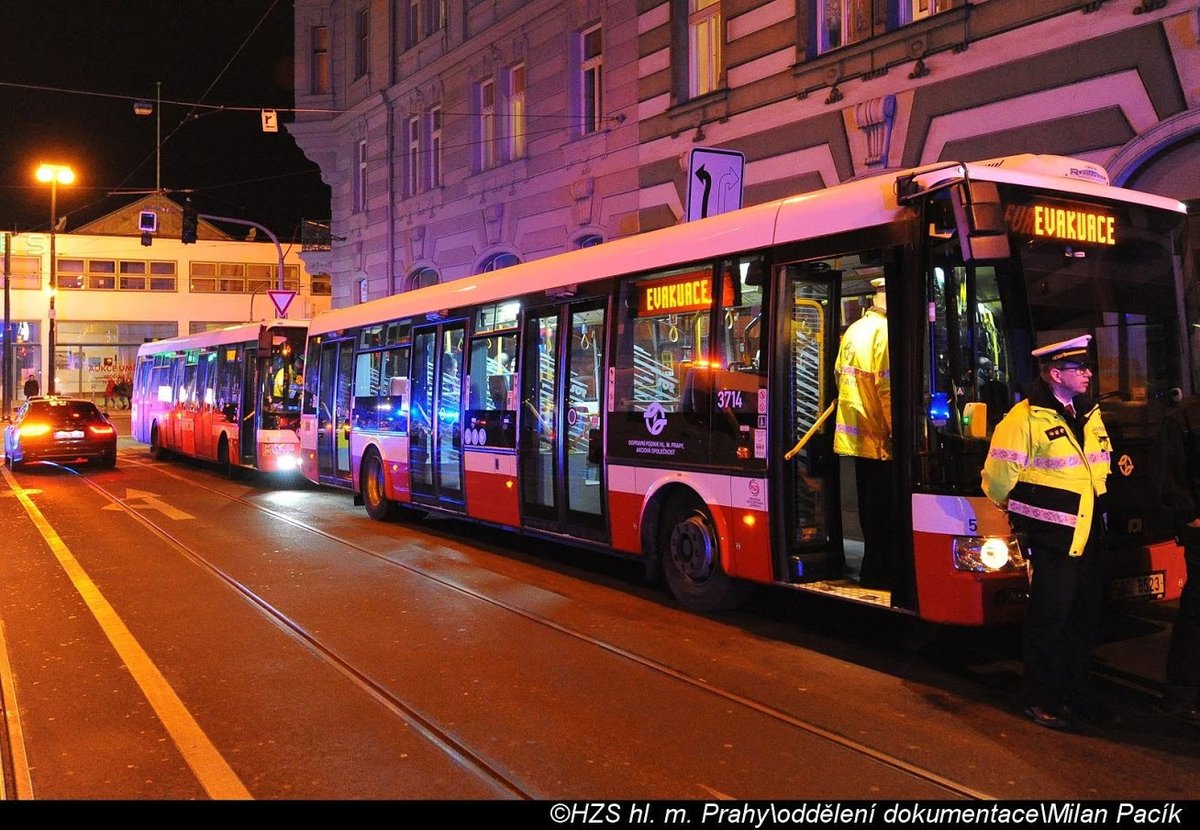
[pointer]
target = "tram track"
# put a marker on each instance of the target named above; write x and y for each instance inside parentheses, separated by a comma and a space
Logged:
(468, 757)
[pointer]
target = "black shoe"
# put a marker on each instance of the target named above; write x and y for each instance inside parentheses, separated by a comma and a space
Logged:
(1096, 714)
(1046, 718)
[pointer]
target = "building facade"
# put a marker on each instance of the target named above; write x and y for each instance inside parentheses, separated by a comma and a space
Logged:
(462, 135)
(115, 292)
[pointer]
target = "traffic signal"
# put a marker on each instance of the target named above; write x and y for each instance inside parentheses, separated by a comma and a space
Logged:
(190, 222)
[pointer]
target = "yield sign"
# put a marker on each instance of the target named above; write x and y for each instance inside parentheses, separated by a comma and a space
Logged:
(282, 299)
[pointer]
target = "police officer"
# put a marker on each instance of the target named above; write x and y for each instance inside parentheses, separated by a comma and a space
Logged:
(864, 431)
(1048, 466)
(1177, 460)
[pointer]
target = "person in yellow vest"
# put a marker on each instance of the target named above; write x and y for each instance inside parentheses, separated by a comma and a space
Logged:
(1048, 466)
(864, 431)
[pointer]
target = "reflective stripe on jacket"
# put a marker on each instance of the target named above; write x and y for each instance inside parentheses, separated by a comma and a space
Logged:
(864, 409)
(1048, 483)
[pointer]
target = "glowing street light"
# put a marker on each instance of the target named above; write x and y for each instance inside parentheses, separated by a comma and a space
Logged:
(54, 175)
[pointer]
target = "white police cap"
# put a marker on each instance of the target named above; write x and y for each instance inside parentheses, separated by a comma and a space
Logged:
(1073, 349)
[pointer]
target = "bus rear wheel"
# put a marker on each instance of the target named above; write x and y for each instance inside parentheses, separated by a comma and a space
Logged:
(225, 459)
(156, 447)
(691, 556)
(379, 506)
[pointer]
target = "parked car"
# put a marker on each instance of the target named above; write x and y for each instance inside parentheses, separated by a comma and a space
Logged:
(63, 430)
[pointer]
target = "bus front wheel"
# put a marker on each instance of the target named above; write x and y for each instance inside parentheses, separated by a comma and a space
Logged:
(379, 506)
(691, 557)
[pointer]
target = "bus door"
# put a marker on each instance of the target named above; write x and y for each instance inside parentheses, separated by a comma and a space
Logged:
(560, 439)
(251, 408)
(435, 415)
(333, 411)
(807, 513)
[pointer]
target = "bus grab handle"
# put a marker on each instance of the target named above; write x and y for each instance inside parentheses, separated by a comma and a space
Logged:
(790, 454)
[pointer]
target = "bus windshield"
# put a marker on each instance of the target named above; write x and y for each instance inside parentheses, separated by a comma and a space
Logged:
(1077, 267)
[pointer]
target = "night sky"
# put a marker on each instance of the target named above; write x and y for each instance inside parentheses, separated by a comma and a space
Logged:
(71, 71)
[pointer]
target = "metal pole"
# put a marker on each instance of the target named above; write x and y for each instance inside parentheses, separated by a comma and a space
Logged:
(8, 334)
(158, 139)
(266, 230)
(53, 284)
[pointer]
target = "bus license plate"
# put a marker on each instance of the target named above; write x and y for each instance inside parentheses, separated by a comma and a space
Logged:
(1148, 586)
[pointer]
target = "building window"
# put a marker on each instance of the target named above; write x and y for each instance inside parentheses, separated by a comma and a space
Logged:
(841, 22)
(705, 35)
(436, 17)
(413, 177)
(240, 277)
(319, 83)
(486, 138)
(435, 147)
(362, 31)
(422, 278)
(24, 272)
(591, 71)
(497, 261)
(322, 285)
(360, 177)
(412, 20)
(517, 128)
(590, 240)
(911, 10)
(110, 274)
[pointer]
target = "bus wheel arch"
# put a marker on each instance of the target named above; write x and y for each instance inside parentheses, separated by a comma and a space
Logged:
(373, 487)
(685, 542)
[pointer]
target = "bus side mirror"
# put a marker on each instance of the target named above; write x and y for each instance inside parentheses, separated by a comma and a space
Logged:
(979, 215)
(975, 420)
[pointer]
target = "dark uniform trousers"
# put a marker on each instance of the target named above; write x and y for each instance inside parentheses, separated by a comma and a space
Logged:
(873, 480)
(1066, 603)
(1183, 653)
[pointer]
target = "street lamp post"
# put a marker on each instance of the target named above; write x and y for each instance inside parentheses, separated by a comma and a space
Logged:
(54, 174)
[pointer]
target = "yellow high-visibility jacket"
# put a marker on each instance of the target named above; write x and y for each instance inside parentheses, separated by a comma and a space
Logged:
(864, 408)
(1037, 470)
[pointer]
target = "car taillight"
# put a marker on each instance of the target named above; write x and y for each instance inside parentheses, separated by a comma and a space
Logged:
(100, 429)
(29, 430)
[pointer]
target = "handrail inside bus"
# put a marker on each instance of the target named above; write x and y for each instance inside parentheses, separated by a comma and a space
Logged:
(790, 454)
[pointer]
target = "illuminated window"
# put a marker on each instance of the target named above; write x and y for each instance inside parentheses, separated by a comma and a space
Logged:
(705, 36)
(516, 112)
(841, 22)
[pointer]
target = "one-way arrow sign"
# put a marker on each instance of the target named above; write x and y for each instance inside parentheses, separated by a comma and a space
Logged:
(281, 299)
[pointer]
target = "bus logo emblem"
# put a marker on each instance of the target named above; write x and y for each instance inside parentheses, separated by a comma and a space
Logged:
(656, 419)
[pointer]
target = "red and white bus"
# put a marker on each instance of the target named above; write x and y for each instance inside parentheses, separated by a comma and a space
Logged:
(231, 395)
(661, 396)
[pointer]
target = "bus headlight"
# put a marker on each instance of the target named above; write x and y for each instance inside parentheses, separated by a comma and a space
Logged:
(986, 553)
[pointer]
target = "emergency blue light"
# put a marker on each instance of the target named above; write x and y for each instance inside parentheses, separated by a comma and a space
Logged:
(939, 409)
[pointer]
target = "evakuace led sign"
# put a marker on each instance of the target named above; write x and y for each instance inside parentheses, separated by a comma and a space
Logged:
(1068, 222)
(687, 292)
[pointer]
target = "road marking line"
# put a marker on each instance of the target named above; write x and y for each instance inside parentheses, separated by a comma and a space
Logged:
(213, 772)
(22, 780)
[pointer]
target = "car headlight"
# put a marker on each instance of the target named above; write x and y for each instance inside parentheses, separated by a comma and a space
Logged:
(987, 553)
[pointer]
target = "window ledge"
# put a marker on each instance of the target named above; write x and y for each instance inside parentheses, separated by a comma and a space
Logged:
(876, 55)
(702, 109)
